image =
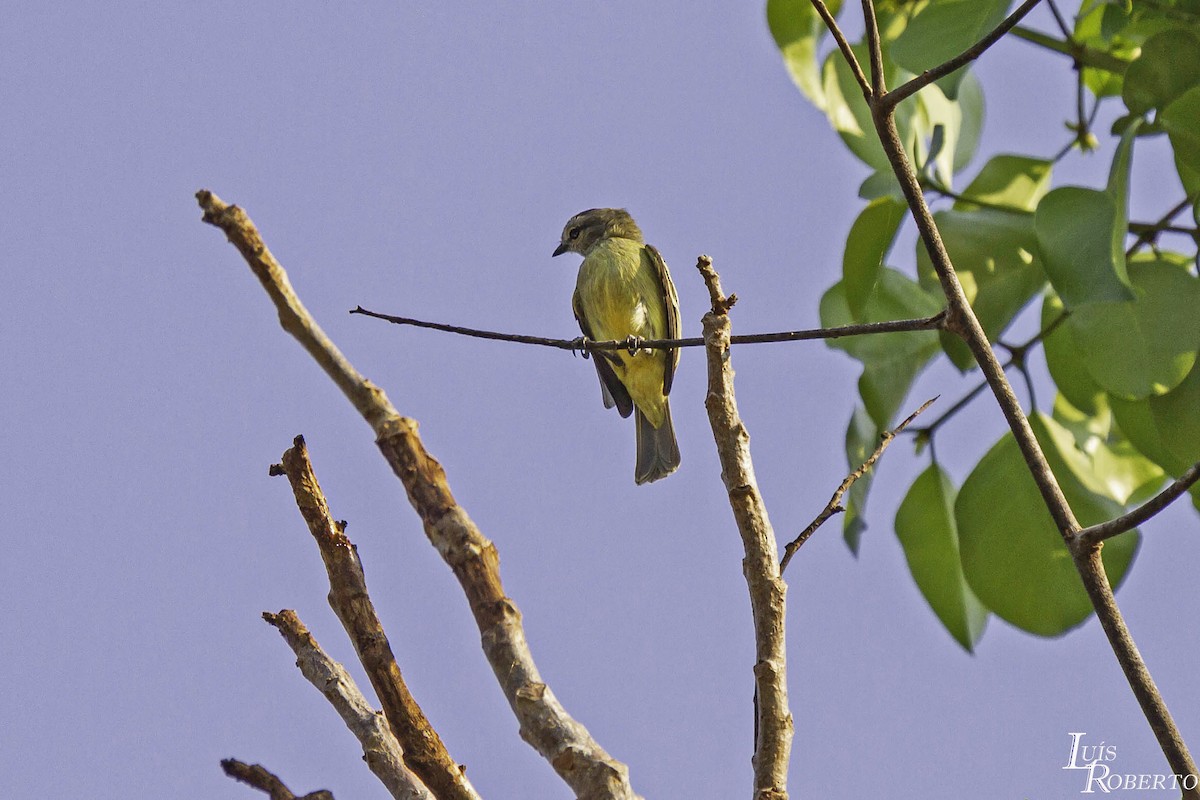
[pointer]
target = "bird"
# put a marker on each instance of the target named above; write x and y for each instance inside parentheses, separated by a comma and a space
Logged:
(624, 292)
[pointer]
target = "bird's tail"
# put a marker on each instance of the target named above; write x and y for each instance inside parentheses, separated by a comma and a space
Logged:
(657, 450)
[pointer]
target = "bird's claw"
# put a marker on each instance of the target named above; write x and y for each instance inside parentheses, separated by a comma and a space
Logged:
(634, 343)
(579, 346)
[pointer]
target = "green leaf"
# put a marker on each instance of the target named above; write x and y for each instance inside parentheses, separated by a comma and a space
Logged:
(1016, 182)
(1165, 428)
(1106, 464)
(1177, 417)
(915, 120)
(934, 119)
(1145, 346)
(994, 256)
(1118, 190)
(862, 437)
(884, 384)
(1137, 423)
(1118, 180)
(970, 104)
(1098, 29)
(1012, 554)
(870, 240)
(847, 110)
(926, 529)
(1066, 361)
(1168, 66)
(1075, 229)
(943, 29)
(798, 31)
(1181, 119)
(880, 184)
(891, 361)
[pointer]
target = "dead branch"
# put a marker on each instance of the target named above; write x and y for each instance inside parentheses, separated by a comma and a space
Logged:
(381, 750)
(768, 592)
(544, 723)
(424, 752)
(264, 780)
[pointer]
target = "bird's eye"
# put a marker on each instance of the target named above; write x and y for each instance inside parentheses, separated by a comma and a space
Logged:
(573, 234)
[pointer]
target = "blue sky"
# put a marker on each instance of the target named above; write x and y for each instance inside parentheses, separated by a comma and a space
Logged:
(422, 162)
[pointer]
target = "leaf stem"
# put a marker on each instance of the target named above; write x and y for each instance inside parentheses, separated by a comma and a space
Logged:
(1084, 55)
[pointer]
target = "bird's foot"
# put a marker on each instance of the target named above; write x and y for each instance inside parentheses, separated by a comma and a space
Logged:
(579, 346)
(634, 343)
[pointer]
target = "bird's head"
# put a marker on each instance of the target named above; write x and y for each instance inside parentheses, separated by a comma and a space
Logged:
(588, 228)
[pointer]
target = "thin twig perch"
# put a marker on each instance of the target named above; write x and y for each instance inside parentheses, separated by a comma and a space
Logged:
(861, 329)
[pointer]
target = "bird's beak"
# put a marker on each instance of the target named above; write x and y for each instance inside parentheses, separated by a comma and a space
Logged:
(558, 251)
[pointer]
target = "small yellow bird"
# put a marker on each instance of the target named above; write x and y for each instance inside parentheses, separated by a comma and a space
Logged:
(625, 292)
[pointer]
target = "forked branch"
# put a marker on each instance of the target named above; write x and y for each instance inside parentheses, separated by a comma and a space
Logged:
(843, 45)
(959, 61)
(544, 723)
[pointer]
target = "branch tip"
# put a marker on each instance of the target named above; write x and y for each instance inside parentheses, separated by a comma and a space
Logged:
(259, 777)
(834, 506)
(712, 281)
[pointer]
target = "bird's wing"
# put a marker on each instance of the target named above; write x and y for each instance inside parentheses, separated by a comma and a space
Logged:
(612, 390)
(671, 304)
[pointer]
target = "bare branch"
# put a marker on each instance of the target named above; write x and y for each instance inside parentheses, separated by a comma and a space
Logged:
(1017, 355)
(544, 723)
(424, 752)
(1059, 19)
(834, 506)
(844, 46)
(1153, 228)
(264, 780)
(1150, 233)
(875, 49)
(1170, 740)
(962, 59)
(587, 345)
(381, 750)
(1114, 527)
(768, 592)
